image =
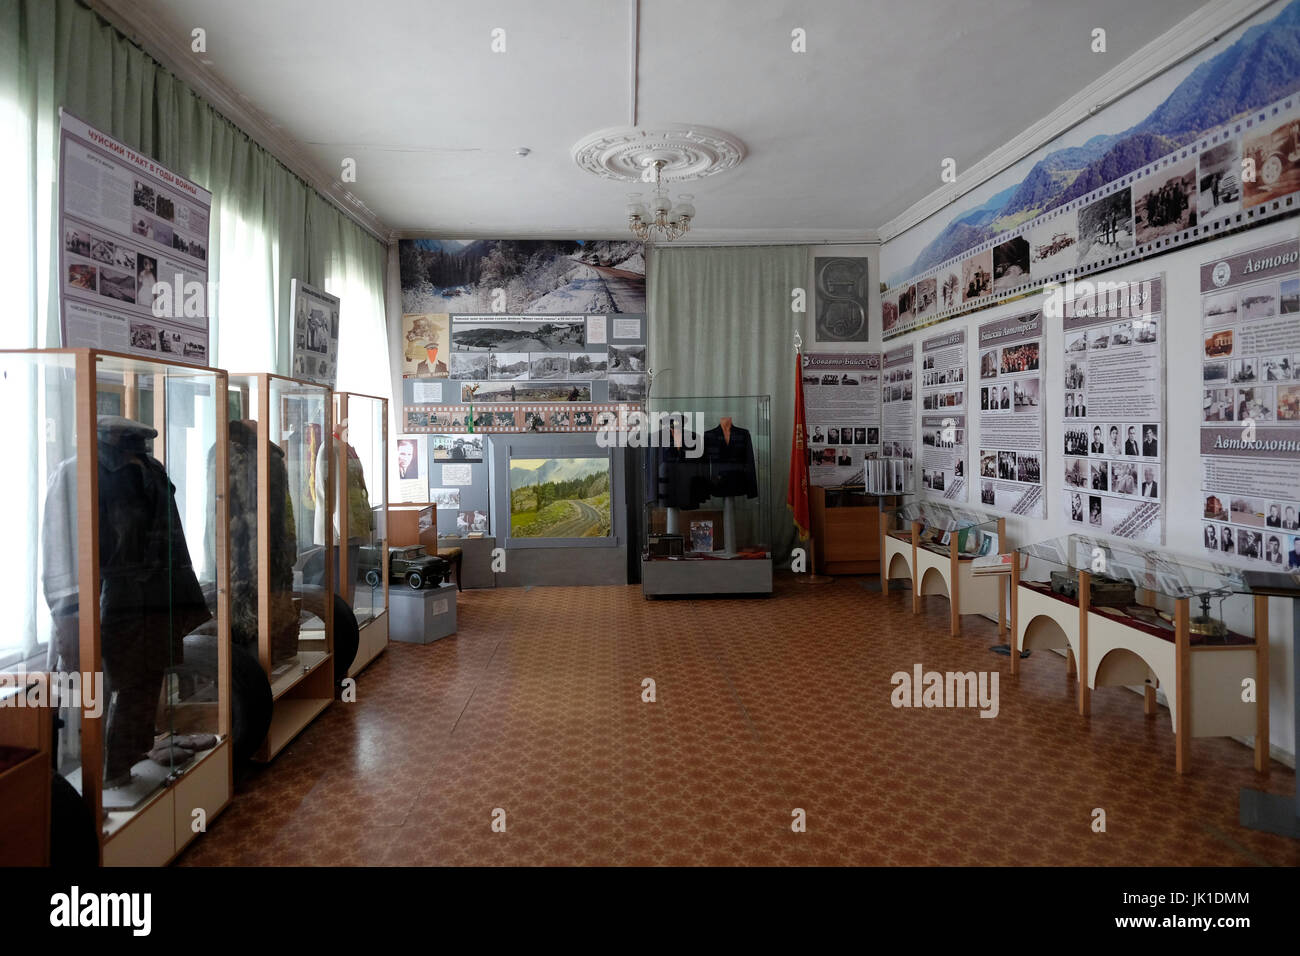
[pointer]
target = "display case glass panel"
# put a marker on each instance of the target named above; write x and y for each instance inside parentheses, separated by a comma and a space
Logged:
(362, 516)
(708, 467)
(287, 627)
(130, 635)
(976, 532)
(1141, 586)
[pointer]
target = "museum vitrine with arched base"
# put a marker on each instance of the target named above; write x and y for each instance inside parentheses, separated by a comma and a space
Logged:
(282, 543)
(936, 547)
(116, 581)
(1130, 616)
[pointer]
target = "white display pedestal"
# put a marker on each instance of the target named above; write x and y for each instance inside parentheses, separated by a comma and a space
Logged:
(421, 617)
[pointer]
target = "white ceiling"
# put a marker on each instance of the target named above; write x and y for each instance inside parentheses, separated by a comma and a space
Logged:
(841, 138)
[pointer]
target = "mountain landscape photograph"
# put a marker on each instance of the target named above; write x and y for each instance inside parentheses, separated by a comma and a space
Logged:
(559, 498)
(1259, 68)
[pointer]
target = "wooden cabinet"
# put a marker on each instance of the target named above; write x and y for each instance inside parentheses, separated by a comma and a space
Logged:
(846, 531)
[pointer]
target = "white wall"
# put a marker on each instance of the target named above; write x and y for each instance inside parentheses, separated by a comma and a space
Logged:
(1182, 480)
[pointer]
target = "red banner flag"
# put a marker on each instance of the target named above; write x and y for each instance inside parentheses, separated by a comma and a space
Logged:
(796, 495)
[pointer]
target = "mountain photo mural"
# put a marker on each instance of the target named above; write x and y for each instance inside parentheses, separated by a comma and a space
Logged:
(1254, 69)
(534, 276)
(559, 498)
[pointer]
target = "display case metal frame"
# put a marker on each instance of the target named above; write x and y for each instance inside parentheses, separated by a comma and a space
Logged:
(156, 831)
(374, 631)
(1202, 682)
(299, 701)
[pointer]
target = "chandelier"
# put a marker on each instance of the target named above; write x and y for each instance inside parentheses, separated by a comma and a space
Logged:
(661, 219)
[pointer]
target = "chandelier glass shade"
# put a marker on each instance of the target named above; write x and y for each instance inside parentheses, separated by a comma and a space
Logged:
(659, 218)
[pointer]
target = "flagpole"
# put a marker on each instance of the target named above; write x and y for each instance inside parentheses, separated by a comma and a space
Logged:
(799, 463)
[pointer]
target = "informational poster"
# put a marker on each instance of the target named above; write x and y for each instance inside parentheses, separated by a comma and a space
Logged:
(943, 415)
(898, 436)
(841, 394)
(1012, 448)
(1113, 407)
(315, 334)
(412, 468)
(456, 475)
(1250, 409)
(426, 345)
(133, 260)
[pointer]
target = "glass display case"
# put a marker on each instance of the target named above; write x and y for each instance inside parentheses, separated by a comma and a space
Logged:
(116, 585)
(1129, 615)
(361, 517)
(708, 507)
(939, 548)
(282, 543)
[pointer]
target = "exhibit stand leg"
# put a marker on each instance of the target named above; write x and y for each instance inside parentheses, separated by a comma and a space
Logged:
(1277, 812)
(729, 525)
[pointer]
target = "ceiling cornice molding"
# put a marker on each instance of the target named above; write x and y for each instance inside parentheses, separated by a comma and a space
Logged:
(741, 237)
(1182, 41)
(174, 53)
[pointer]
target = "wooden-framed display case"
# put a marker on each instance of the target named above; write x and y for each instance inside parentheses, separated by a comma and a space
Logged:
(121, 581)
(935, 545)
(361, 523)
(282, 474)
(1127, 615)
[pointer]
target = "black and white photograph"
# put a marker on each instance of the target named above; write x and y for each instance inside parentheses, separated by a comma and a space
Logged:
(544, 368)
(495, 335)
(116, 285)
(1289, 296)
(627, 388)
(1217, 405)
(470, 365)
(1219, 179)
(1095, 511)
(144, 337)
(988, 464)
(1028, 468)
(987, 495)
(1025, 394)
(456, 447)
(1053, 245)
(496, 393)
(1106, 227)
(471, 522)
(445, 498)
(1010, 263)
(1076, 472)
(1165, 201)
(143, 196)
(592, 365)
(408, 452)
(626, 358)
(1219, 309)
(989, 364)
(502, 366)
(536, 276)
(1258, 302)
(1099, 476)
(1007, 465)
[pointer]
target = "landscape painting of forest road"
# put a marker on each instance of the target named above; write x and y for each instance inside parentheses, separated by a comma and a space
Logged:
(1250, 69)
(559, 498)
(537, 277)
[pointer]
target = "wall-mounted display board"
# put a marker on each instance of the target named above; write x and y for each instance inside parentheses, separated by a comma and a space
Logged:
(315, 333)
(943, 415)
(1012, 450)
(841, 301)
(898, 428)
(444, 419)
(841, 393)
(1190, 158)
(133, 255)
(1250, 407)
(1115, 432)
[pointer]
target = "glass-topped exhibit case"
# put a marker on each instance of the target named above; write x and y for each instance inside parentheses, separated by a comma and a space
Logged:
(708, 507)
(282, 540)
(947, 550)
(361, 515)
(1138, 616)
(118, 609)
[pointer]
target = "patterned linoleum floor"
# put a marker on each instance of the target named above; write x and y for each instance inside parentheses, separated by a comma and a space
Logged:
(763, 706)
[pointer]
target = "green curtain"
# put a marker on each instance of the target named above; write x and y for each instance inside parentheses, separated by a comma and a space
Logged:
(721, 324)
(268, 226)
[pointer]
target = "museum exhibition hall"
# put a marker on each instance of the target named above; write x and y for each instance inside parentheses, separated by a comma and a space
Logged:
(631, 433)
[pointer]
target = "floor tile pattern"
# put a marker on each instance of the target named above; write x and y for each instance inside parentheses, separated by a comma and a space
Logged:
(763, 706)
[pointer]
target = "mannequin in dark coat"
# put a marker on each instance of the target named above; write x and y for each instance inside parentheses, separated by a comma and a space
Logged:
(673, 478)
(729, 451)
(149, 596)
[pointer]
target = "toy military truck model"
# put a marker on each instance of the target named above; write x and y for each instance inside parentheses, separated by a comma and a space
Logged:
(409, 563)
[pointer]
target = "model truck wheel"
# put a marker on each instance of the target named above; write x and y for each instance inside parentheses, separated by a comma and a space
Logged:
(373, 578)
(415, 579)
